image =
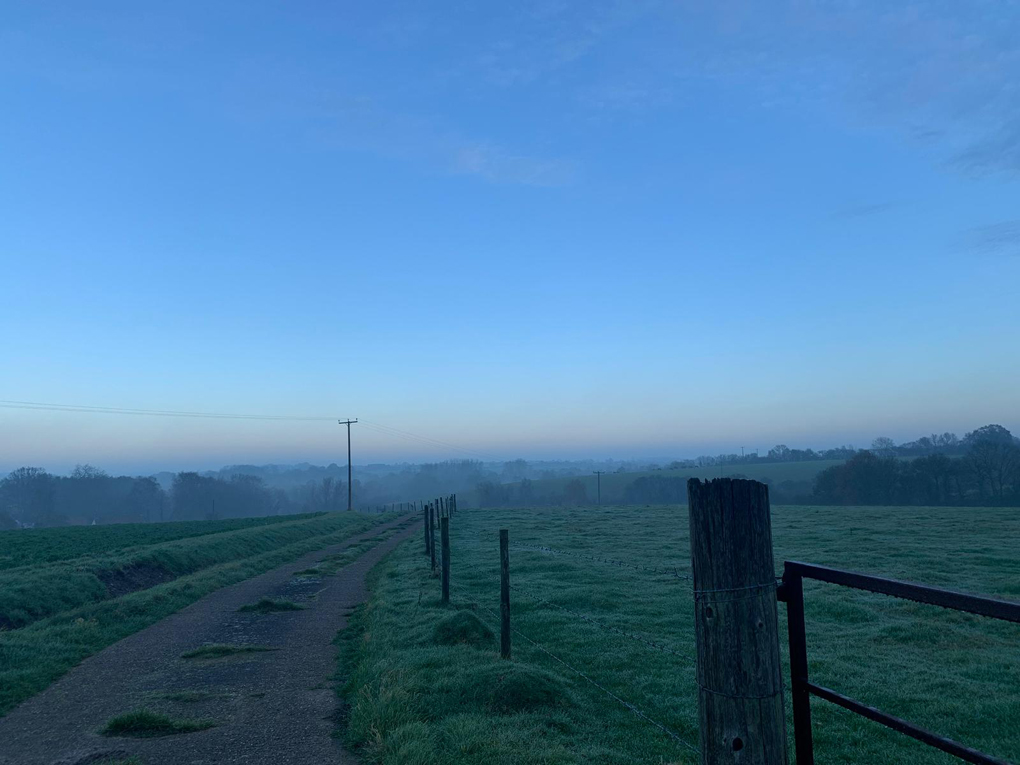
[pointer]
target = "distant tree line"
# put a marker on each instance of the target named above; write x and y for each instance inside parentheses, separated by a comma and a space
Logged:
(986, 472)
(31, 497)
(983, 467)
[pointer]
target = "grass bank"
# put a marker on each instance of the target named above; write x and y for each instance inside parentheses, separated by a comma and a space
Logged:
(32, 547)
(34, 656)
(424, 685)
(31, 593)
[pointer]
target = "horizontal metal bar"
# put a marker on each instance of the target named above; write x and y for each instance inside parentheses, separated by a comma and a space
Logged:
(958, 601)
(926, 736)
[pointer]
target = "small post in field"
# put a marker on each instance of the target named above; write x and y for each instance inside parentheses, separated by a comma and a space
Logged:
(740, 697)
(504, 593)
(444, 530)
(432, 536)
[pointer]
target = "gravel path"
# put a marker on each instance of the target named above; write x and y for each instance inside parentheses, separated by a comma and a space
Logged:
(270, 707)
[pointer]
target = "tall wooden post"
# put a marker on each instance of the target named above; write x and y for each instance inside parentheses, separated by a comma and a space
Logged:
(504, 593)
(425, 526)
(432, 536)
(444, 531)
(736, 624)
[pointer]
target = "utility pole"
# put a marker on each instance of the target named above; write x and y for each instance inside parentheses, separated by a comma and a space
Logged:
(348, 423)
(599, 482)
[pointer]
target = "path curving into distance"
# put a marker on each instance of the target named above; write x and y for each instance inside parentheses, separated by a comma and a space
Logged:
(274, 707)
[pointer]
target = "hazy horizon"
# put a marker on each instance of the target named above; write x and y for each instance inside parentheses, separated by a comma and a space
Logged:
(374, 447)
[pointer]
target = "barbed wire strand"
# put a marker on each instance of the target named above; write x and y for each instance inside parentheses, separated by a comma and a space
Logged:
(664, 571)
(608, 627)
(635, 710)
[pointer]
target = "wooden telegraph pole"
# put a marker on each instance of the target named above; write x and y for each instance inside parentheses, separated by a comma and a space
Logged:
(736, 624)
(348, 422)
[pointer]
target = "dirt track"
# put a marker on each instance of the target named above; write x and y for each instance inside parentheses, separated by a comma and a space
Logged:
(271, 707)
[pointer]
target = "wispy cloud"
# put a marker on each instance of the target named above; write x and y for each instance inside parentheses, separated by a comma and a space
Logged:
(943, 74)
(496, 165)
(994, 239)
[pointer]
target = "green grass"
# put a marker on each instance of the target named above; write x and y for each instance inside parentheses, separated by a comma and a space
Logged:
(31, 547)
(28, 594)
(220, 650)
(415, 695)
(271, 606)
(34, 656)
(145, 724)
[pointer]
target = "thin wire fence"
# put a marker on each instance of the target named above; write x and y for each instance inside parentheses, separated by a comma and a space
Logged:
(667, 570)
(676, 737)
(607, 627)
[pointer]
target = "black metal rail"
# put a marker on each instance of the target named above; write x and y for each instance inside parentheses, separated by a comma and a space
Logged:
(792, 593)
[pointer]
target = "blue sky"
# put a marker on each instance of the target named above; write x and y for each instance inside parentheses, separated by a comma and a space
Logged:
(537, 229)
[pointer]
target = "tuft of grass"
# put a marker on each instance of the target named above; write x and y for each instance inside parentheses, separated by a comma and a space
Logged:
(463, 628)
(219, 650)
(271, 606)
(143, 723)
(308, 572)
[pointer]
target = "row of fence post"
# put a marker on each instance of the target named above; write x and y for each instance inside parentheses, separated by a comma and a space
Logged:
(740, 688)
(440, 509)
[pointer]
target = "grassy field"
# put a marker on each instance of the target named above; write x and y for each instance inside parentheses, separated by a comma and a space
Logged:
(613, 484)
(31, 547)
(54, 614)
(424, 684)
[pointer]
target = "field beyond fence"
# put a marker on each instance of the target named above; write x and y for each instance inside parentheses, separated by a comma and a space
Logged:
(606, 638)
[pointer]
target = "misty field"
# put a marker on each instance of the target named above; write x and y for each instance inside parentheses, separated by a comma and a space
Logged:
(614, 485)
(425, 684)
(77, 590)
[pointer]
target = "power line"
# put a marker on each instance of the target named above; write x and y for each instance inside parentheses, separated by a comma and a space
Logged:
(377, 427)
(36, 405)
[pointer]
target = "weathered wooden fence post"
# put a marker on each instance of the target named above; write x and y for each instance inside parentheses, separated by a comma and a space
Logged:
(432, 536)
(504, 593)
(736, 624)
(444, 531)
(425, 526)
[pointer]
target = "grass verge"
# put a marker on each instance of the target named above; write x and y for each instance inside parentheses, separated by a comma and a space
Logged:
(145, 724)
